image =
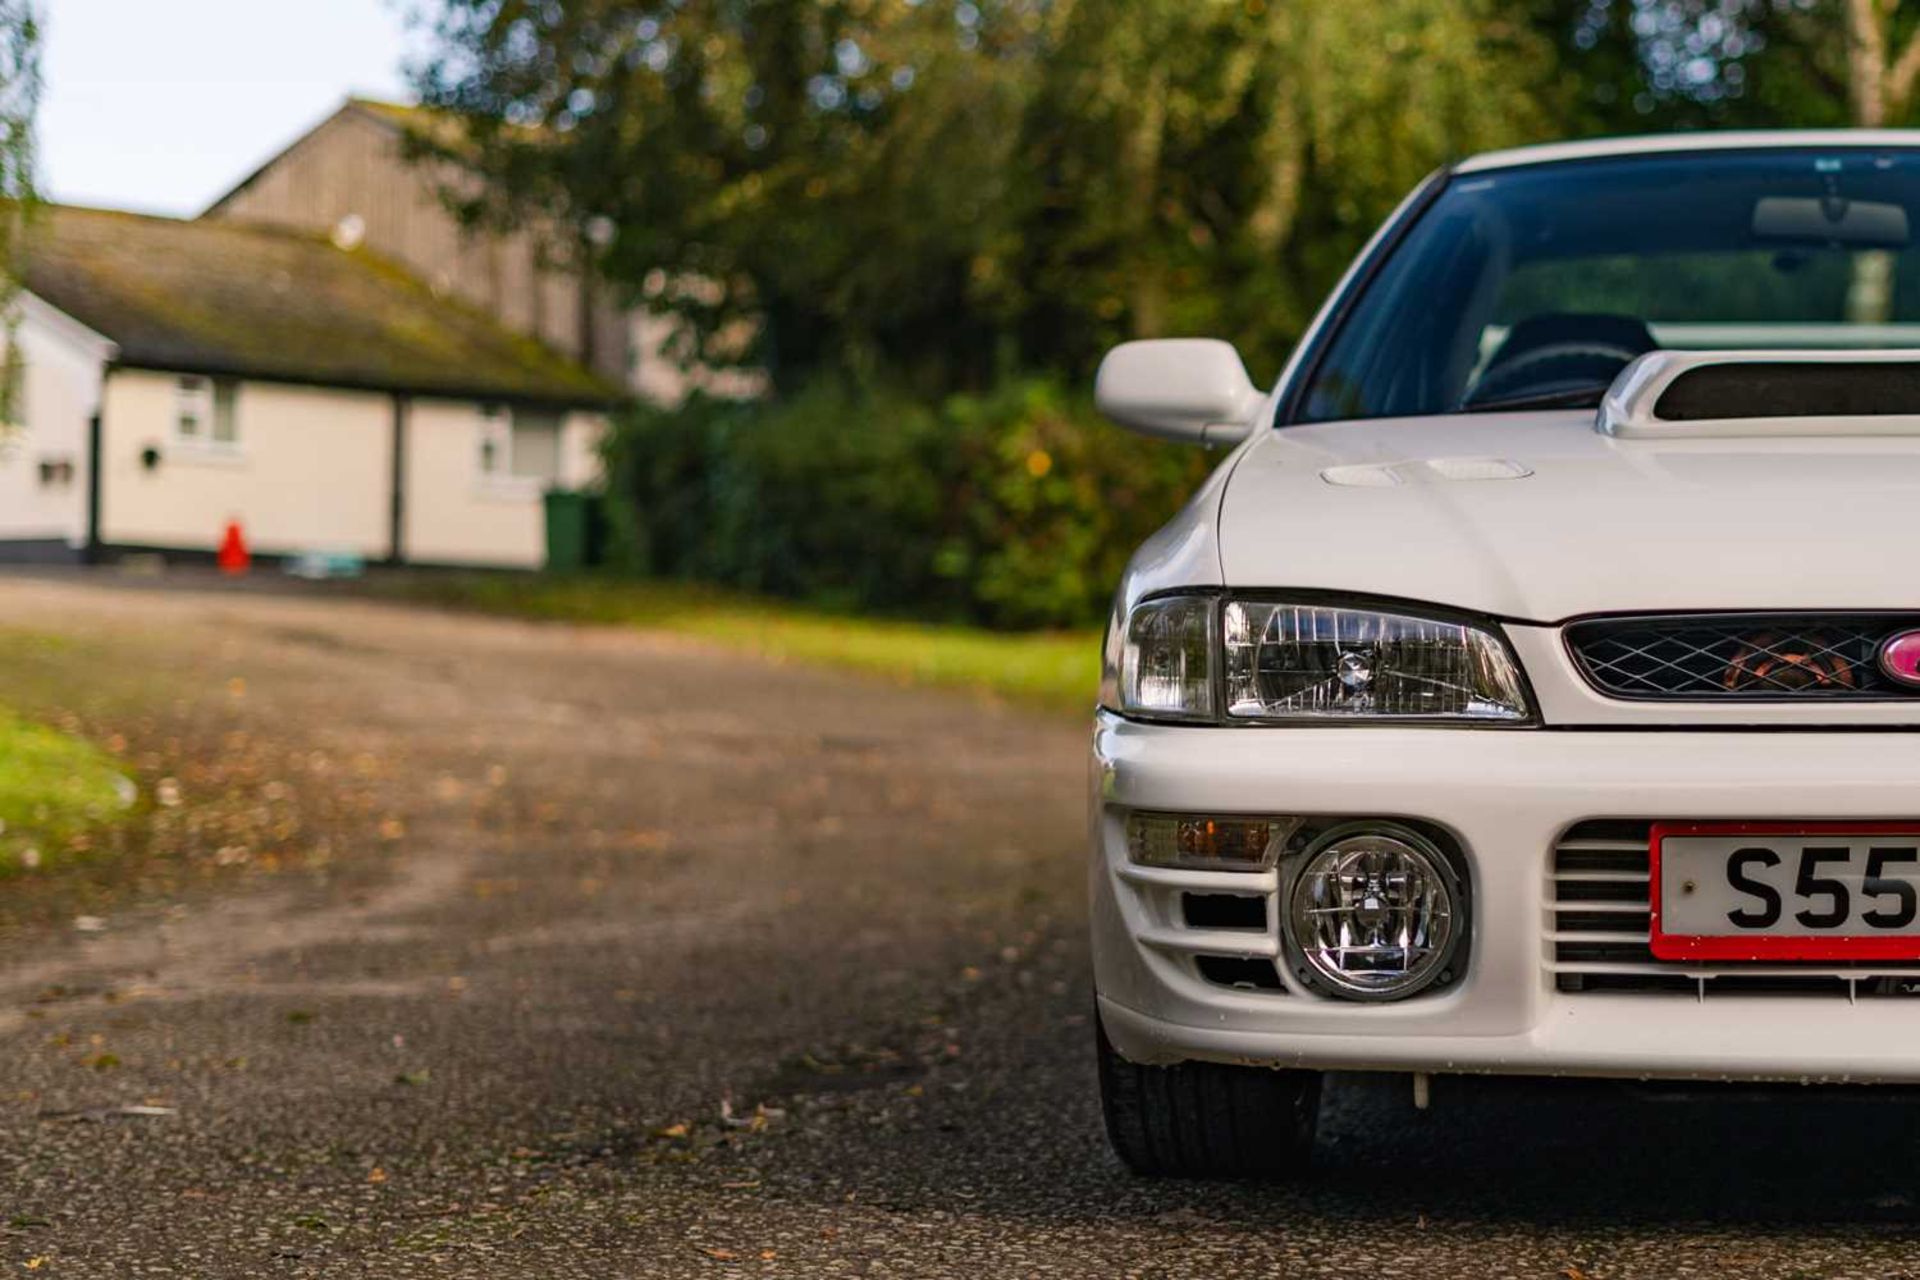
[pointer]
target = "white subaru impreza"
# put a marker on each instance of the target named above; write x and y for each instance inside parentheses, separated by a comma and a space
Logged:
(1535, 688)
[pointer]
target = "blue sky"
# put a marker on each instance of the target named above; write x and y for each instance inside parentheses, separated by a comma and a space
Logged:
(161, 105)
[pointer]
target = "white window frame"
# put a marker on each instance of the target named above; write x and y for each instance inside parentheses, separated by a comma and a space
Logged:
(493, 447)
(210, 402)
(226, 411)
(547, 419)
(495, 459)
(192, 398)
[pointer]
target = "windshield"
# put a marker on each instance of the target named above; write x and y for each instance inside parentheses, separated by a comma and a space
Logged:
(1534, 287)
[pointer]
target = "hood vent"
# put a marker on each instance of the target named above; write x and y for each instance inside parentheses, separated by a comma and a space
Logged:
(1681, 394)
(1387, 475)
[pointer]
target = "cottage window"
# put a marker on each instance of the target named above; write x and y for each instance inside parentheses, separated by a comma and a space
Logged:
(192, 408)
(494, 443)
(226, 425)
(521, 445)
(205, 411)
(536, 445)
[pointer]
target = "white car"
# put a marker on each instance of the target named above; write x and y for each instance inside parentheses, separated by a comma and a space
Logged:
(1535, 687)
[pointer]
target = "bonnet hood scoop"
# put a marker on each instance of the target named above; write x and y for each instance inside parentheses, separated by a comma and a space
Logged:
(1672, 395)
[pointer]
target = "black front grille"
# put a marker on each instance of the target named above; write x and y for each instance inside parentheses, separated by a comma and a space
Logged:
(1747, 656)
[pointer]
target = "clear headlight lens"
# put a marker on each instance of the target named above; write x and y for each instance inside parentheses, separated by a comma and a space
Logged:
(1374, 913)
(1306, 662)
(1291, 661)
(1166, 662)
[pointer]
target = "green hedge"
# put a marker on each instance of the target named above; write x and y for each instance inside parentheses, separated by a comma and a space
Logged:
(1016, 508)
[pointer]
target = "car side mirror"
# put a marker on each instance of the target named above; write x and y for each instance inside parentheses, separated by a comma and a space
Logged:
(1191, 389)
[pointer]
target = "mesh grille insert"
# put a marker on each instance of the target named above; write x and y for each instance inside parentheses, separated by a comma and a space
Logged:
(1750, 656)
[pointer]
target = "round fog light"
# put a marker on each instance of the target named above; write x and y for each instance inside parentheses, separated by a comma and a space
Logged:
(1375, 912)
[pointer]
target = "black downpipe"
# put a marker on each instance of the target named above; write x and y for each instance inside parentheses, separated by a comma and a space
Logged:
(92, 552)
(397, 511)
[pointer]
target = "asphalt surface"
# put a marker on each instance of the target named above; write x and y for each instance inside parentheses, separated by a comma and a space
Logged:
(491, 949)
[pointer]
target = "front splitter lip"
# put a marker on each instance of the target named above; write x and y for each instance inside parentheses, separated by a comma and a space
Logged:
(1603, 1037)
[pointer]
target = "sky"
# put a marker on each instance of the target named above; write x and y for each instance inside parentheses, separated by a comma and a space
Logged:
(162, 105)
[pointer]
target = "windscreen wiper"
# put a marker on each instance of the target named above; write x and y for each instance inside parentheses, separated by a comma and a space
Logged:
(1565, 398)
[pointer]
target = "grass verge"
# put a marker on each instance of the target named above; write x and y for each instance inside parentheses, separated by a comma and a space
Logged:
(56, 793)
(1052, 669)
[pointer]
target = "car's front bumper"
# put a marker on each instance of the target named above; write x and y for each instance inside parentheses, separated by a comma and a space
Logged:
(1506, 796)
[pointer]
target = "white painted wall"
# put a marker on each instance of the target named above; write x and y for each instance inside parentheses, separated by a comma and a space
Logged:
(581, 466)
(60, 392)
(455, 514)
(311, 471)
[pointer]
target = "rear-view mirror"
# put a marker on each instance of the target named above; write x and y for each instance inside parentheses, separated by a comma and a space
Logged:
(1833, 220)
(1192, 389)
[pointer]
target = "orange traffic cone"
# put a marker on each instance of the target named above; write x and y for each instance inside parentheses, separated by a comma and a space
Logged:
(234, 557)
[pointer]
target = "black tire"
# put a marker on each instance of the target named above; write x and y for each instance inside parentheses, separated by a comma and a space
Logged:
(1205, 1120)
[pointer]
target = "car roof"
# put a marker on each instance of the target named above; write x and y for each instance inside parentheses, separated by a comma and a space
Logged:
(1667, 143)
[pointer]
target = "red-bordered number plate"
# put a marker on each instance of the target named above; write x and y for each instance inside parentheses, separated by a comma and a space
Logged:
(1786, 890)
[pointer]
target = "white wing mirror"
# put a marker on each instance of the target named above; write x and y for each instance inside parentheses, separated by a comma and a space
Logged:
(1192, 389)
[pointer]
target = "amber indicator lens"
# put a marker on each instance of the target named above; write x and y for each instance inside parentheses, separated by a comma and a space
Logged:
(1206, 843)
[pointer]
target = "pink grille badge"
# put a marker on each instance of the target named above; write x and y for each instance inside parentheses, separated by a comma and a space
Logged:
(1900, 658)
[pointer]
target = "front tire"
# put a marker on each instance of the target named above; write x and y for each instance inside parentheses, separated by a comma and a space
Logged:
(1206, 1120)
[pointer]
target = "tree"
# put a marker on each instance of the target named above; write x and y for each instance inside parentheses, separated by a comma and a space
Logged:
(1211, 168)
(1651, 65)
(1881, 69)
(19, 103)
(941, 191)
(1882, 66)
(836, 172)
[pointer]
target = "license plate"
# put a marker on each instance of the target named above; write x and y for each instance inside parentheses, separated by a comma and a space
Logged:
(1786, 891)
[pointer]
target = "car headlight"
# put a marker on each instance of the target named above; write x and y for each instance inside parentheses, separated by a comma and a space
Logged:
(1194, 657)
(1166, 658)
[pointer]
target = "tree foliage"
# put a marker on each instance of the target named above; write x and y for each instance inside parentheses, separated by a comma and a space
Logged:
(1212, 167)
(1664, 64)
(1016, 507)
(828, 171)
(19, 104)
(949, 190)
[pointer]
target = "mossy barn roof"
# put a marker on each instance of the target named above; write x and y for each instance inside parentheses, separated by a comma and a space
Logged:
(230, 298)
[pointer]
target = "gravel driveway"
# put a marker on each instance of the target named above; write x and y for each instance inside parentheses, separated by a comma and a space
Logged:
(618, 956)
